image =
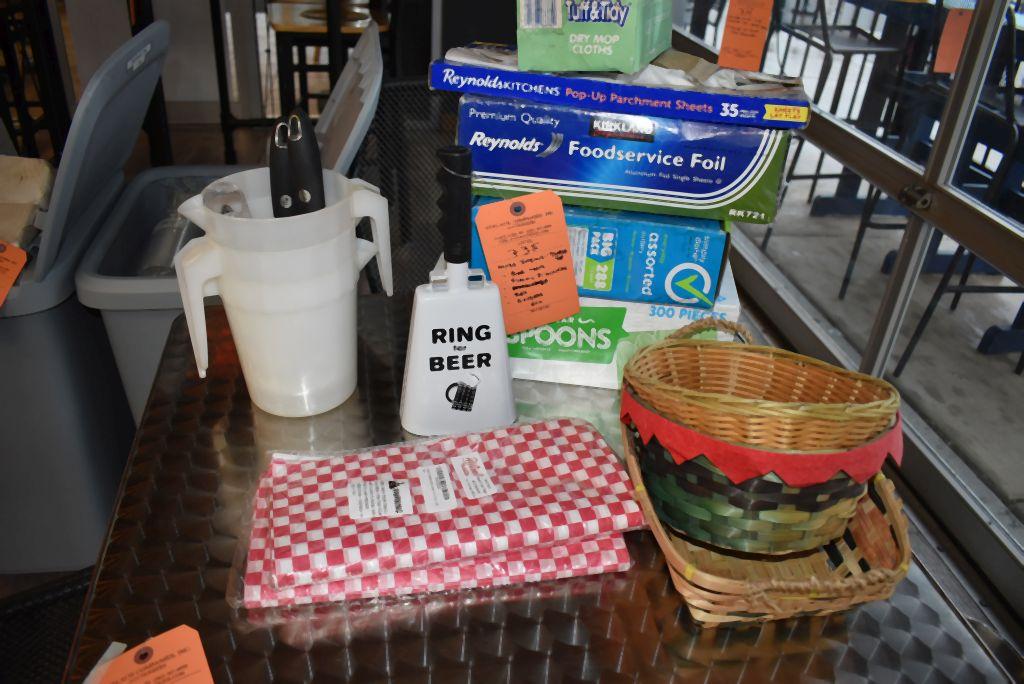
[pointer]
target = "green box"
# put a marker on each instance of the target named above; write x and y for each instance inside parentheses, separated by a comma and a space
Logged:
(591, 347)
(592, 35)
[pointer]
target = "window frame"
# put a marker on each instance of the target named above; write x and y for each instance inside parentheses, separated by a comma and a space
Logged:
(939, 477)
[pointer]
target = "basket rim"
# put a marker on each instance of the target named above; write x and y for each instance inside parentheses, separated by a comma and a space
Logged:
(878, 577)
(828, 409)
(627, 387)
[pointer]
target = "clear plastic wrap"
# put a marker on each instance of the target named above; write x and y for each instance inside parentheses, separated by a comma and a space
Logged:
(547, 500)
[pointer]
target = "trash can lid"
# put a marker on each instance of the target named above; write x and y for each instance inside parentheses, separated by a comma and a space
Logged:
(103, 133)
(349, 109)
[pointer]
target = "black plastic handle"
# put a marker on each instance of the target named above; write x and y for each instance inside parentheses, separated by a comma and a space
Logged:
(304, 162)
(280, 174)
(456, 202)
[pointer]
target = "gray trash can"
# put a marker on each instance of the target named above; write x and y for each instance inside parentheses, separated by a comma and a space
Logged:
(137, 308)
(65, 428)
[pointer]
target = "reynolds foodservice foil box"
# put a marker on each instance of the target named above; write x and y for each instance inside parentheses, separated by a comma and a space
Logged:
(640, 257)
(621, 161)
(592, 347)
(592, 35)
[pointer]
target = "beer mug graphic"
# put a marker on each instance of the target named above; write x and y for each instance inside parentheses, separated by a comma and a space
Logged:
(464, 395)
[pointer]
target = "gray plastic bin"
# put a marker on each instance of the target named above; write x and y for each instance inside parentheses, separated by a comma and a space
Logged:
(138, 310)
(65, 428)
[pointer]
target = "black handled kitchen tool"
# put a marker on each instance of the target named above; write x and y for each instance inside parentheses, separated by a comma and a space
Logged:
(304, 161)
(296, 178)
(281, 190)
(456, 202)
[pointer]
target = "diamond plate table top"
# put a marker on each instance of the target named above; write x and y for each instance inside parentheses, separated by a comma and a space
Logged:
(185, 499)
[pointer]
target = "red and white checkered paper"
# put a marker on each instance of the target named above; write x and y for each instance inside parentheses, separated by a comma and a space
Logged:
(557, 480)
(593, 555)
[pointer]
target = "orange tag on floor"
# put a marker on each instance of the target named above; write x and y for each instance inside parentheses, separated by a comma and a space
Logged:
(745, 34)
(174, 656)
(12, 261)
(951, 42)
(526, 243)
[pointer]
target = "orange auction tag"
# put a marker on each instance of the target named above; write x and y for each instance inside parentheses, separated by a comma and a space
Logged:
(526, 243)
(174, 656)
(12, 261)
(746, 31)
(951, 42)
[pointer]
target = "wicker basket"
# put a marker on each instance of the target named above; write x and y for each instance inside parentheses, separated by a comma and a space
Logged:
(759, 398)
(761, 515)
(720, 587)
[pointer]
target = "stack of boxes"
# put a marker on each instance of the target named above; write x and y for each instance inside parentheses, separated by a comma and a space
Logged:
(651, 164)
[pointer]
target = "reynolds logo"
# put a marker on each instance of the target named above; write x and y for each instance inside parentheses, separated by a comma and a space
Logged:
(622, 127)
(481, 139)
(689, 283)
(597, 11)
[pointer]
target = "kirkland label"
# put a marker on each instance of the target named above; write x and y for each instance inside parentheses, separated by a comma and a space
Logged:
(476, 483)
(623, 127)
(378, 499)
(438, 489)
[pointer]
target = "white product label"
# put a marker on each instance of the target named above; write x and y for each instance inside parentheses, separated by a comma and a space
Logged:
(578, 236)
(139, 58)
(475, 481)
(540, 14)
(438, 489)
(378, 498)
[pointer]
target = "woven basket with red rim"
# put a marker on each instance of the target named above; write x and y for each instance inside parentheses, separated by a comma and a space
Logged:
(753, 448)
(723, 587)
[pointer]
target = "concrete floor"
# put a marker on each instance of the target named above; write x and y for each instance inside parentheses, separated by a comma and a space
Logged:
(971, 399)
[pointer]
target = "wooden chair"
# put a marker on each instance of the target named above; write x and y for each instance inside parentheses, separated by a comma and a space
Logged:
(299, 26)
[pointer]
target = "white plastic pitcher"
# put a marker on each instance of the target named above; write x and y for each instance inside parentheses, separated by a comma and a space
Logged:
(289, 289)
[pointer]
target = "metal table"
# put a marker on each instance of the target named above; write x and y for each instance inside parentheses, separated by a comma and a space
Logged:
(184, 499)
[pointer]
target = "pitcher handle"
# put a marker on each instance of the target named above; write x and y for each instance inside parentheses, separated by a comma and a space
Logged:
(370, 204)
(198, 266)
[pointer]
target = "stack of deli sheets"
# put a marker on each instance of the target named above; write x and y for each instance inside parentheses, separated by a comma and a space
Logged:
(527, 503)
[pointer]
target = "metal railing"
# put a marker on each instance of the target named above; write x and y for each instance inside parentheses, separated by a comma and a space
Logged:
(971, 512)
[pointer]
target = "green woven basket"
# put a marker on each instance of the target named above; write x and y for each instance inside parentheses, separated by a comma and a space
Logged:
(703, 413)
(761, 515)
